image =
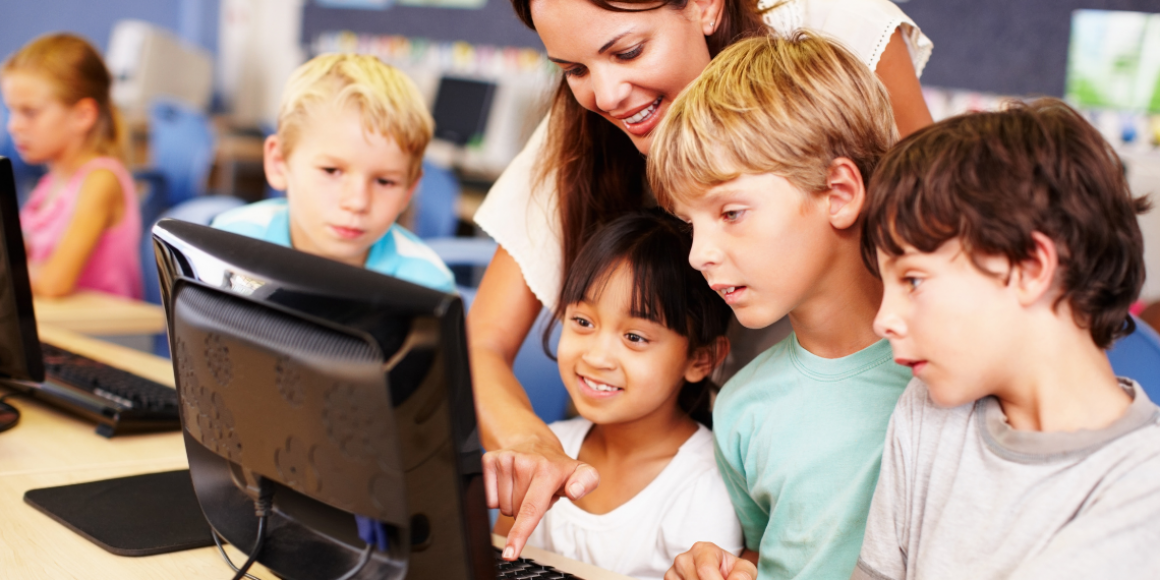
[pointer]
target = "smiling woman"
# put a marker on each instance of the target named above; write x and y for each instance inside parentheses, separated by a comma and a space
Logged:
(623, 63)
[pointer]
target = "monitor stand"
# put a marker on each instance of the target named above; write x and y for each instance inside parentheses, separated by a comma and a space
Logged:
(140, 515)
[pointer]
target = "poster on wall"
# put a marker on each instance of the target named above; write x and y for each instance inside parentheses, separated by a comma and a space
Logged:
(384, 4)
(1114, 60)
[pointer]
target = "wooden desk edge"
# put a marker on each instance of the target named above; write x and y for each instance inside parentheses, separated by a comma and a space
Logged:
(581, 569)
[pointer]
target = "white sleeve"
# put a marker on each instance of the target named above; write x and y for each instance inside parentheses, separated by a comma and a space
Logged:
(701, 512)
(883, 555)
(865, 27)
(525, 220)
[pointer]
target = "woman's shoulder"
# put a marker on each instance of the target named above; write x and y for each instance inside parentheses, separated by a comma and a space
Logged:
(521, 214)
(863, 26)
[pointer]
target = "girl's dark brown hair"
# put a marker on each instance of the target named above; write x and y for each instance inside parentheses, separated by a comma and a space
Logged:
(993, 179)
(654, 246)
(598, 172)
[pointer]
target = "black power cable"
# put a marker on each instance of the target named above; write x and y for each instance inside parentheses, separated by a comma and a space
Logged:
(263, 507)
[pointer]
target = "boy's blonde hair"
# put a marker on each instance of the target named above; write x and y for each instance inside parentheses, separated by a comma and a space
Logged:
(389, 102)
(787, 106)
(76, 72)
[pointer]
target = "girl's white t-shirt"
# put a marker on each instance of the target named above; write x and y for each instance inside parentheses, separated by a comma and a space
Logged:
(685, 504)
(524, 217)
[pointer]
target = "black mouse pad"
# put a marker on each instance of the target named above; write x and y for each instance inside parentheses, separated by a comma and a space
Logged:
(138, 515)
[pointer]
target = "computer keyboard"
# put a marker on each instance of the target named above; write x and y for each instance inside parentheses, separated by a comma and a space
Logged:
(523, 568)
(117, 400)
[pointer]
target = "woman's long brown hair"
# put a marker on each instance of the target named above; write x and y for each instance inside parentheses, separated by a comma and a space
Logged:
(598, 172)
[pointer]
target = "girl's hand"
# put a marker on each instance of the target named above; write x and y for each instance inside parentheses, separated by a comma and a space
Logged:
(525, 482)
(707, 561)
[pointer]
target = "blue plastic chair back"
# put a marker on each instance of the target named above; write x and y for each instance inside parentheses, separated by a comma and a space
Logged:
(435, 202)
(539, 374)
(26, 175)
(199, 210)
(181, 150)
(1137, 356)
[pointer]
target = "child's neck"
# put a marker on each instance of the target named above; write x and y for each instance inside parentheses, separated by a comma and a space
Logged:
(631, 455)
(68, 162)
(1064, 383)
(838, 319)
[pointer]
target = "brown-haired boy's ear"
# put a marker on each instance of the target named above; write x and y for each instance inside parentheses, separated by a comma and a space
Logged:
(706, 359)
(274, 163)
(1033, 279)
(846, 194)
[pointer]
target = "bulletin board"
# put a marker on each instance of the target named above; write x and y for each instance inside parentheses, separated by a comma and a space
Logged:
(1013, 47)
(1010, 47)
(494, 24)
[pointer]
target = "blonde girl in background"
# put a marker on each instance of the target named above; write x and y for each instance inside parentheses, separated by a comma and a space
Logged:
(82, 224)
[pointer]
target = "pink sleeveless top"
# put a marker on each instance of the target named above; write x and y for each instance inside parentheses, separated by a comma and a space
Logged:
(114, 267)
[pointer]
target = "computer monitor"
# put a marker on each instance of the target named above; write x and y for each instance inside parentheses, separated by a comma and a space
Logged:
(20, 359)
(342, 391)
(461, 110)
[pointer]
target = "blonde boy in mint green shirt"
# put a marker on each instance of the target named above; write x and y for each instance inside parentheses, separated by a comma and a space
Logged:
(766, 156)
(799, 441)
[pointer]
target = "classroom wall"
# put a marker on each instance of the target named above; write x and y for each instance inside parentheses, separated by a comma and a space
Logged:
(1009, 47)
(23, 20)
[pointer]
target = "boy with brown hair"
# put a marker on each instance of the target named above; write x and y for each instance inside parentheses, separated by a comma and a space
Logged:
(1010, 253)
(766, 156)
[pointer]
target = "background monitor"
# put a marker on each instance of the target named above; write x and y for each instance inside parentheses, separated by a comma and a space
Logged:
(461, 110)
(343, 391)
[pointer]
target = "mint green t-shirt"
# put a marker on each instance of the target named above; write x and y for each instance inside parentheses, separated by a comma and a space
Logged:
(799, 442)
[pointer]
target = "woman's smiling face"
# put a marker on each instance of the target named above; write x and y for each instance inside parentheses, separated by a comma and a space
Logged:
(627, 66)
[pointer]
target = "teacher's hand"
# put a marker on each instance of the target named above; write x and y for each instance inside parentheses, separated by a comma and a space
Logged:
(526, 480)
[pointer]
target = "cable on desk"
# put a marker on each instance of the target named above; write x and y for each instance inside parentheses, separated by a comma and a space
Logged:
(226, 557)
(362, 563)
(263, 505)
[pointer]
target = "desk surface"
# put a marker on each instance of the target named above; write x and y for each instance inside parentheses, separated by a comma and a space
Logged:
(49, 447)
(98, 313)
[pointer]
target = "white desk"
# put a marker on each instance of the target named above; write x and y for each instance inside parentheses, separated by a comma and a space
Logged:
(50, 447)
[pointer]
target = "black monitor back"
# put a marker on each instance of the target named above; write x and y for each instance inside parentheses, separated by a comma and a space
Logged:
(20, 356)
(346, 389)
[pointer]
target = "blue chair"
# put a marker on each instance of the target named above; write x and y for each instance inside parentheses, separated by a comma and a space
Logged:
(435, 202)
(26, 175)
(181, 153)
(536, 371)
(1137, 356)
(199, 210)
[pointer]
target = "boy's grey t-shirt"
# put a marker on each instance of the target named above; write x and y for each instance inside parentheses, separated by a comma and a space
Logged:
(963, 495)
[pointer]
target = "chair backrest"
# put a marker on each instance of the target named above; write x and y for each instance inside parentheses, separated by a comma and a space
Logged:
(181, 148)
(435, 202)
(538, 373)
(26, 175)
(199, 210)
(1137, 356)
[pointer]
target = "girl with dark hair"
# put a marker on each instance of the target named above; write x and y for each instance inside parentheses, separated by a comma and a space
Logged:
(641, 334)
(623, 63)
